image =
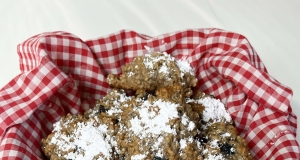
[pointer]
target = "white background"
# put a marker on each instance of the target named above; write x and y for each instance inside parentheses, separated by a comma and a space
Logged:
(271, 26)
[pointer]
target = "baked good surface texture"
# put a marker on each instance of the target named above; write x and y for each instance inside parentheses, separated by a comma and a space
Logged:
(162, 120)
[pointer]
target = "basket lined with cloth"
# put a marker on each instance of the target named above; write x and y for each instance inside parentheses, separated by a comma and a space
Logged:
(63, 74)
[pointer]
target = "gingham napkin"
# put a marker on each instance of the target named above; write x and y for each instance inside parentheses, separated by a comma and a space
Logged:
(61, 74)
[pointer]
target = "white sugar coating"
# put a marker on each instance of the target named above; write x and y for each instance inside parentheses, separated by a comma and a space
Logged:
(149, 61)
(115, 109)
(148, 64)
(164, 69)
(214, 109)
(226, 135)
(156, 146)
(130, 74)
(214, 144)
(56, 126)
(86, 137)
(215, 157)
(138, 157)
(191, 126)
(122, 96)
(159, 140)
(182, 143)
(154, 123)
(185, 66)
(184, 119)
(185, 141)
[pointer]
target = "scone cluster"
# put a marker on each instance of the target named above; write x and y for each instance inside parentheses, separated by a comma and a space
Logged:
(150, 113)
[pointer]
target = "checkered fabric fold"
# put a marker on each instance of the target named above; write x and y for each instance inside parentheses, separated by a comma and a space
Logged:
(63, 74)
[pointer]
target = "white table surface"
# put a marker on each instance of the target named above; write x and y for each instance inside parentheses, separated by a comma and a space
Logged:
(271, 26)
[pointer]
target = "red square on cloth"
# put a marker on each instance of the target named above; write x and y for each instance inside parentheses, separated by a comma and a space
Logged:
(63, 74)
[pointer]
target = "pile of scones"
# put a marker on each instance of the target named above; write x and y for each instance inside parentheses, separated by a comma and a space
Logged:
(151, 112)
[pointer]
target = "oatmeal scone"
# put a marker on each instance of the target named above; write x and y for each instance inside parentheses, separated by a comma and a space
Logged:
(78, 137)
(152, 71)
(217, 134)
(153, 126)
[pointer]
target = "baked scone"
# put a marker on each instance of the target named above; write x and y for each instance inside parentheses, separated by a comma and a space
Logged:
(150, 126)
(162, 120)
(79, 137)
(151, 71)
(217, 134)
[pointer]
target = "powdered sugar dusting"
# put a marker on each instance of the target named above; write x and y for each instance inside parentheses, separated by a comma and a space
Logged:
(164, 69)
(154, 123)
(214, 110)
(115, 108)
(214, 144)
(184, 119)
(182, 143)
(86, 138)
(191, 126)
(215, 157)
(185, 66)
(130, 74)
(226, 135)
(149, 61)
(138, 157)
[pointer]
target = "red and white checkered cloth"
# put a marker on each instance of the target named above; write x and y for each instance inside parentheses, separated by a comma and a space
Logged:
(61, 74)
